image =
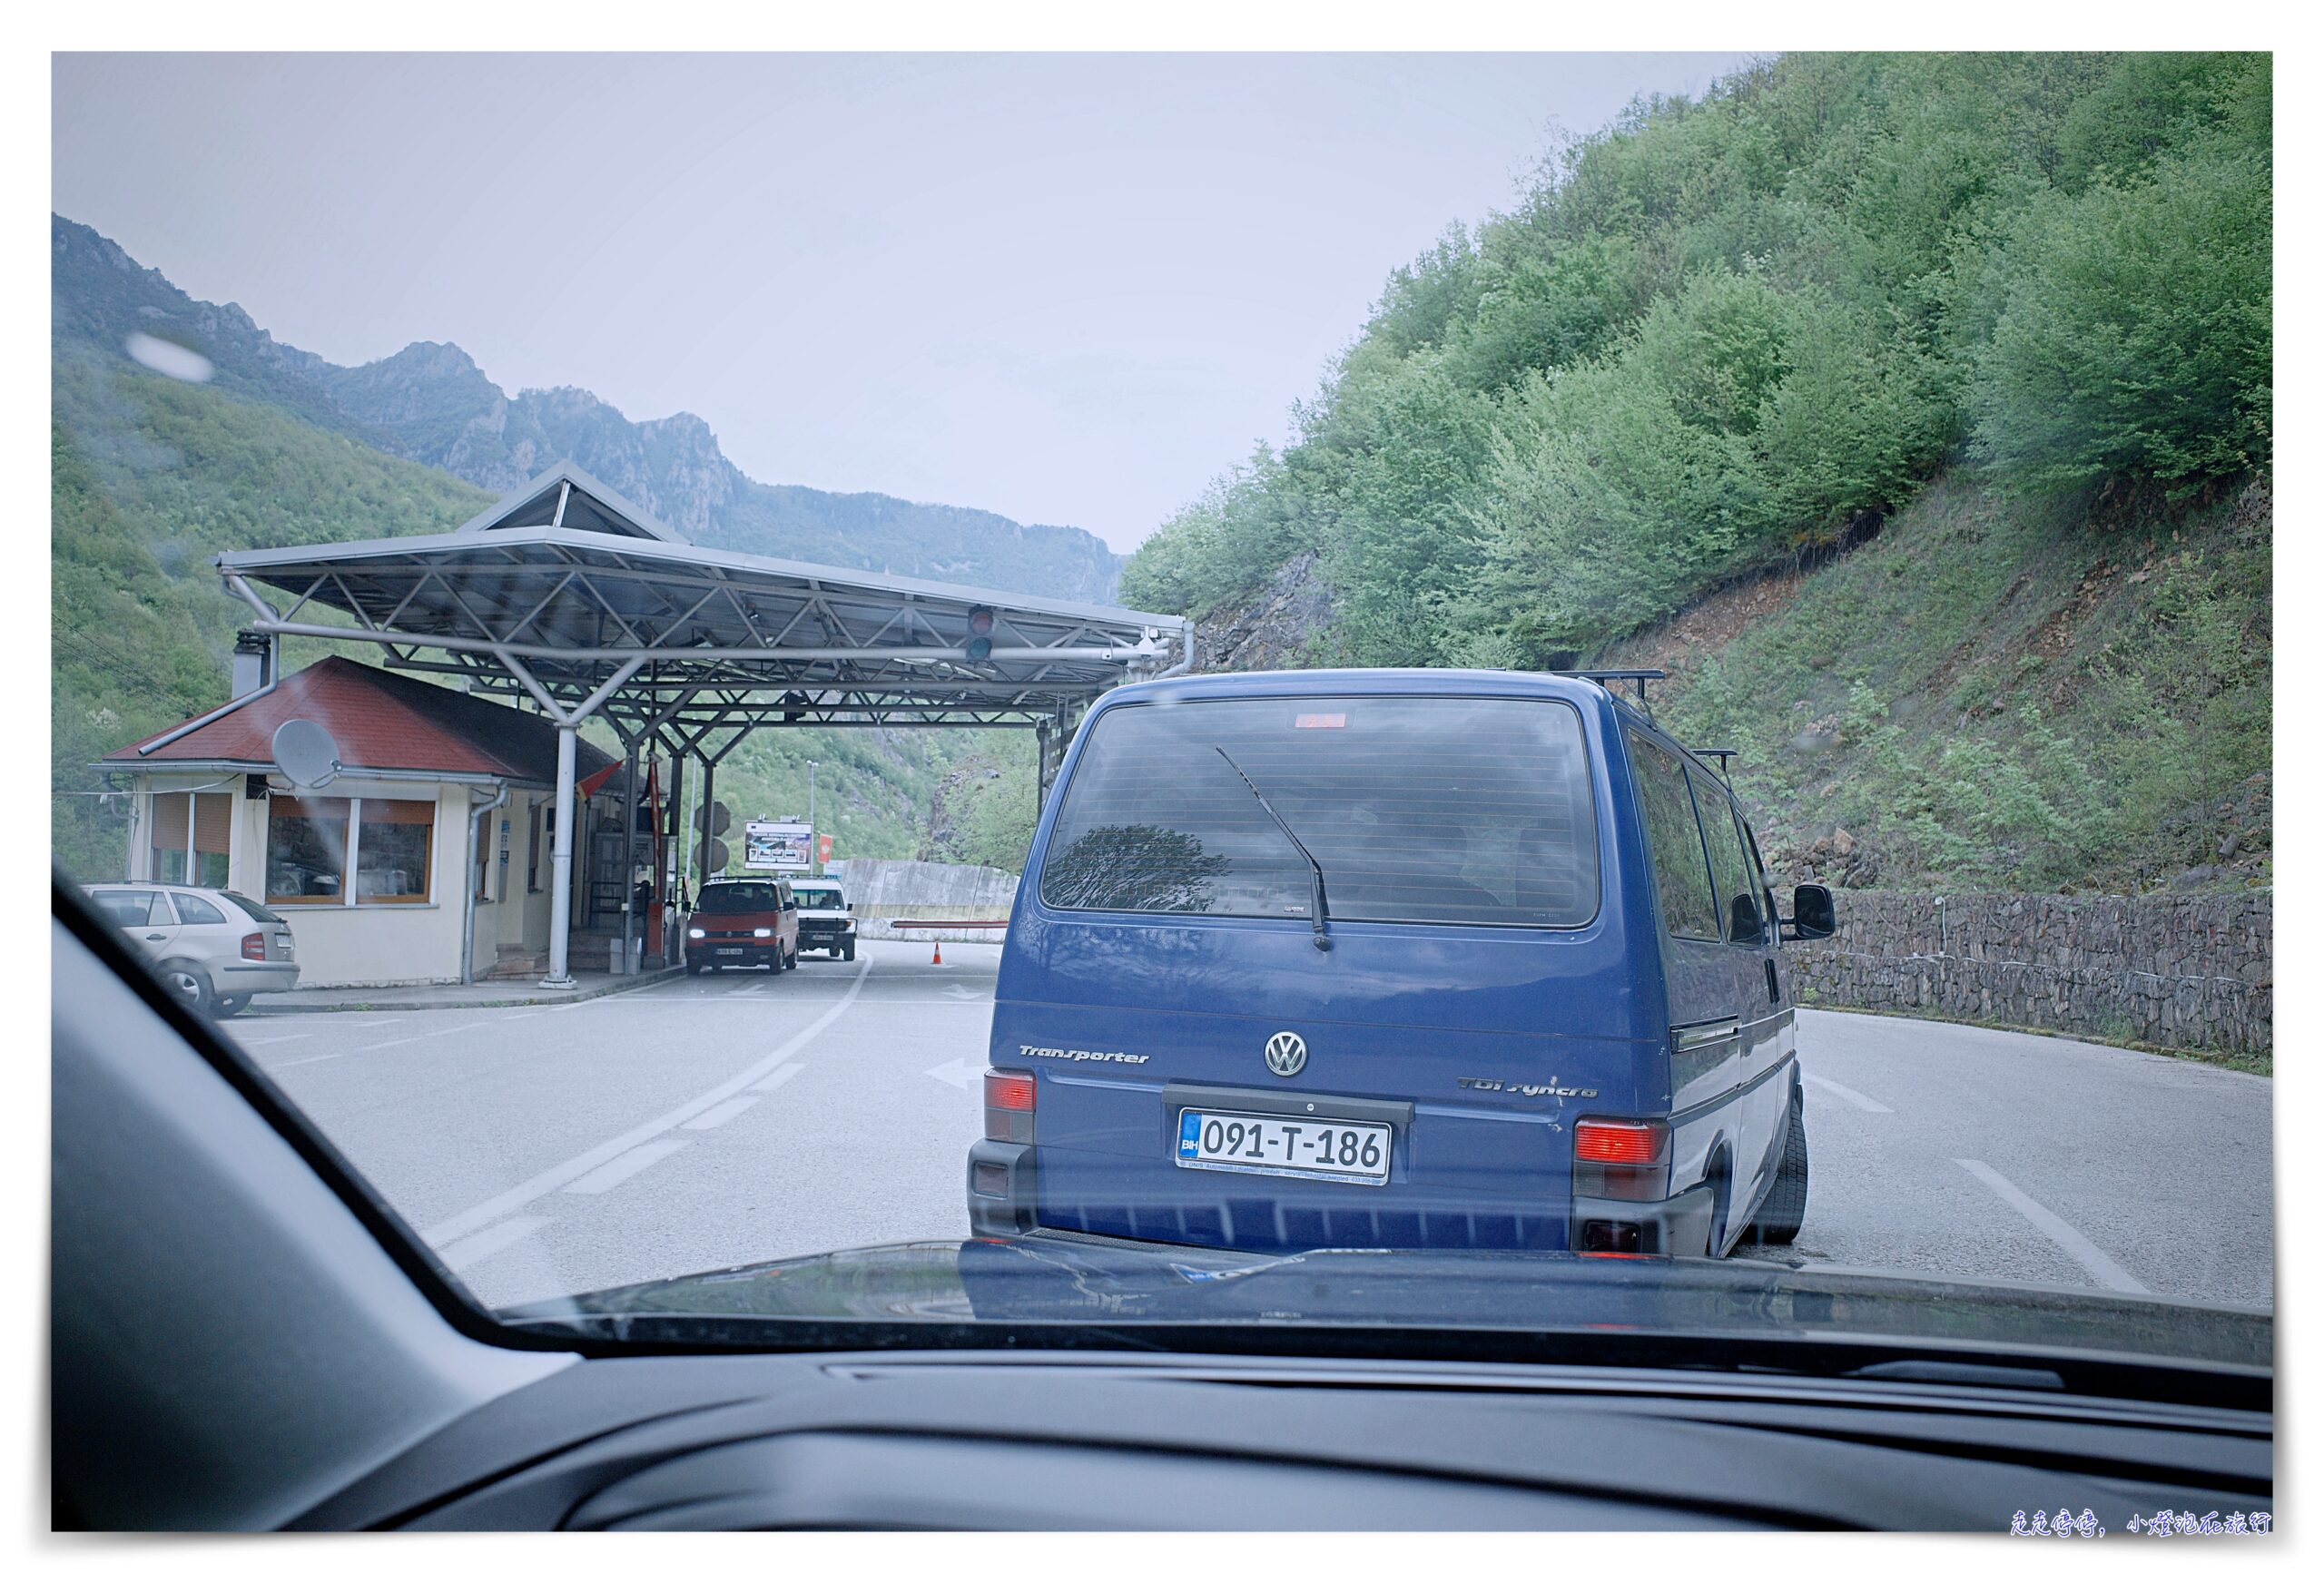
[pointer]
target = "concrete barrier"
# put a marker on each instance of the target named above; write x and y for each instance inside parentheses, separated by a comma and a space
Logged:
(883, 890)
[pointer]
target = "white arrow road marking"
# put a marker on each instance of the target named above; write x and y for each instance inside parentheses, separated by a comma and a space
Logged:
(958, 1072)
(961, 992)
(1861, 1101)
(2076, 1246)
(556, 1176)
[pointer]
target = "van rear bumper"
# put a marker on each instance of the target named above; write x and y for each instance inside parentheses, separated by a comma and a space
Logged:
(1678, 1225)
(1000, 1188)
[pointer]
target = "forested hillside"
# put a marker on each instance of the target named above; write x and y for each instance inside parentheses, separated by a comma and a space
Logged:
(2007, 317)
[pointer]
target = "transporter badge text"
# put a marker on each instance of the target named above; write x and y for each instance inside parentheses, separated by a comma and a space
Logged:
(1125, 1059)
(1526, 1090)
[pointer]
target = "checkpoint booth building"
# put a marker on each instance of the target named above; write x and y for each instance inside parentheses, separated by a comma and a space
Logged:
(424, 861)
(579, 607)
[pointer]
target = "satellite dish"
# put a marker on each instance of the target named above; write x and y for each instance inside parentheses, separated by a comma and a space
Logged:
(306, 753)
(718, 856)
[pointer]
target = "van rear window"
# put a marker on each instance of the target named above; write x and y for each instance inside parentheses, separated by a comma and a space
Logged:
(1429, 810)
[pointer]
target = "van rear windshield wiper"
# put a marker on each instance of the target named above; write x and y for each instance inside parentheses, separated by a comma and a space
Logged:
(1318, 907)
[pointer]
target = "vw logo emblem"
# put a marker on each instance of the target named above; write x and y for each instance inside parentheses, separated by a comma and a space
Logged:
(1286, 1053)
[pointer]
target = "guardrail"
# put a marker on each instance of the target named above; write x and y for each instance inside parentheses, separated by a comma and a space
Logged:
(938, 960)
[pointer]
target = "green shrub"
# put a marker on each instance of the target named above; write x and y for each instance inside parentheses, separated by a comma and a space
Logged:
(2135, 335)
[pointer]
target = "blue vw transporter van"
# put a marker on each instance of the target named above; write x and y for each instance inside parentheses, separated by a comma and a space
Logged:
(1394, 958)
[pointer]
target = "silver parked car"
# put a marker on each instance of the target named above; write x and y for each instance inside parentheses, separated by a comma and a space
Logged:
(215, 948)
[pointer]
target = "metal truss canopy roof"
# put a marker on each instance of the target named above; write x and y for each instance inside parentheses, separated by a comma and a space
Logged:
(566, 591)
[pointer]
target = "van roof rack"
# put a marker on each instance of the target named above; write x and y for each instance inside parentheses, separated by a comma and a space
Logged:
(1607, 679)
(1725, 757)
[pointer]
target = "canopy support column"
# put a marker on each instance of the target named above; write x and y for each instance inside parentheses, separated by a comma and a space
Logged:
(568, 735)
(669, 879)
(560, 868)
(709, 811)
(632, 926)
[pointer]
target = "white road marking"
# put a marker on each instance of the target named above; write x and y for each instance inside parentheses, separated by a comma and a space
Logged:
(958, 1072)
(383, 1022)
(622, 1167)
(962, 992)
(719, 1114)
(475, 1249)
(365, 1050)
(581, 1165)
(777, 1078)
(2076, 1246)
(281, 1039)
(1861, 1101)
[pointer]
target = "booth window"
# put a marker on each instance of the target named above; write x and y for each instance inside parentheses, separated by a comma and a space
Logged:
(306, 851)
(392, 849)
(308, 845)
(213, 815)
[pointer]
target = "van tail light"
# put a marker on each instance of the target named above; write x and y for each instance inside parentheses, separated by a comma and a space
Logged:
(1009, 1106)
(254, 947)
(1621, 1159)
(1619, 1143)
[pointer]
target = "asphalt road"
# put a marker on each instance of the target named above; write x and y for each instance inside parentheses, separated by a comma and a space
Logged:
(715, 1121)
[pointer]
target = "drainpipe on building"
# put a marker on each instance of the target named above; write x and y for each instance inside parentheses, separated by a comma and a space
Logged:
(468, 883)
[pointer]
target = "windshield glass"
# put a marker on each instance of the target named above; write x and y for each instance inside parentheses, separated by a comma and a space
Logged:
(744, 897)
(1763, 627)
(1419, 809)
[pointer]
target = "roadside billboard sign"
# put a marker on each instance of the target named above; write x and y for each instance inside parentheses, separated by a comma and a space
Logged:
(781, 845)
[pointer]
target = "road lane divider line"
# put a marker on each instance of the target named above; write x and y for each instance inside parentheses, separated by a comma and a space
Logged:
(1841, 1090)
(281, 1039)
(777, 1078)
(475, 1249)
(2076, 1246)
(623, 1166)
(480, 1215)
(383, 1022)
(719, 1114)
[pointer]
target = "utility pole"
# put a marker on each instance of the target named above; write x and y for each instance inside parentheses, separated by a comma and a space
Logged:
(815, 847)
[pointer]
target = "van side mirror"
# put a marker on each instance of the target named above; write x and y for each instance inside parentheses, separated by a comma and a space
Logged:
(1743, 926)
(1813, 916)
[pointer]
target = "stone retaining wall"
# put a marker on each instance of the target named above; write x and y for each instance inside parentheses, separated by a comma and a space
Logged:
(2189, 972)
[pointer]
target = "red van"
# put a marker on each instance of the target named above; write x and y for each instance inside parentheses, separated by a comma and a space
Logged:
(743, 923)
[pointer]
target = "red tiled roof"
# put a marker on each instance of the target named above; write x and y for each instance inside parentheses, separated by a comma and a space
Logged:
(381, 721)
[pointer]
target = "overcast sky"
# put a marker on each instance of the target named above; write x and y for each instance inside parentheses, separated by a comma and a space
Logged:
(1067, 289)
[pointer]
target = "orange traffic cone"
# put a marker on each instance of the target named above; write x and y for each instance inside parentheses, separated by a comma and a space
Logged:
(938, 961)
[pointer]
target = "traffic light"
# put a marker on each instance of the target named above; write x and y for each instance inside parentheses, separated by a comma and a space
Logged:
(979, 645)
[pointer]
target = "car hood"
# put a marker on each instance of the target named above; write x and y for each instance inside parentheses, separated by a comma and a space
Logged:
(1056, 1282)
